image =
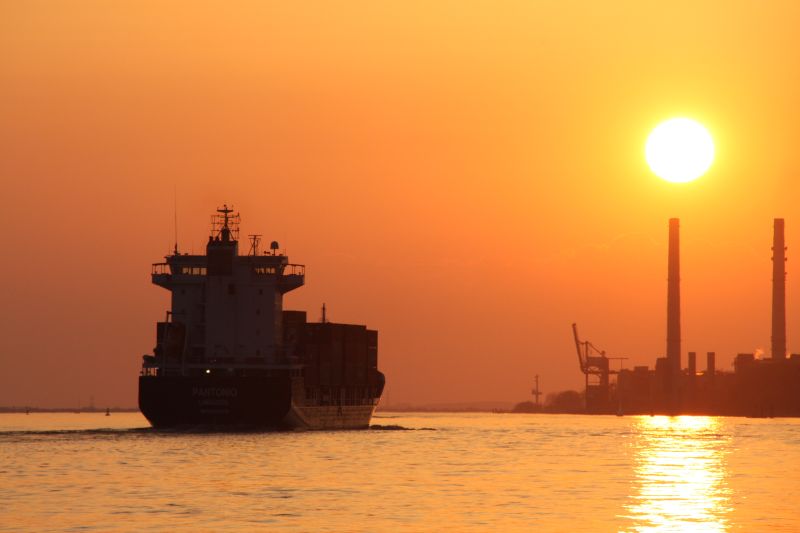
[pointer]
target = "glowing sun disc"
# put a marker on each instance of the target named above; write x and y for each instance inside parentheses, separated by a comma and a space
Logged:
(679, 150)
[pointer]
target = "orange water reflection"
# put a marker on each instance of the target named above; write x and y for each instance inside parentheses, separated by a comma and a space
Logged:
(680, 479)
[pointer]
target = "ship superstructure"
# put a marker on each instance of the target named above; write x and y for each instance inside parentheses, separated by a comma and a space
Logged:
(228, 354)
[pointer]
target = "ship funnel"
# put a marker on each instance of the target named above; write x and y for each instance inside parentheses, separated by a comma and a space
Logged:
(674, 300)
(778, 291)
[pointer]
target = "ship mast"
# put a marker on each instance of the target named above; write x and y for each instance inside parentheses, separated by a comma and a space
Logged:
(255, 240)
(225, 225)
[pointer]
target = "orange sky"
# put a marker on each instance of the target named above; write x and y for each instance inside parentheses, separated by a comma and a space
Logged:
(466, 177)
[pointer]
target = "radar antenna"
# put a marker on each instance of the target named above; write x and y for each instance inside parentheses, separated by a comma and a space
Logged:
(225, 225)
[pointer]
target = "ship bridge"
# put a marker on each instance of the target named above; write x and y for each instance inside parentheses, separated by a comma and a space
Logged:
(226, 308)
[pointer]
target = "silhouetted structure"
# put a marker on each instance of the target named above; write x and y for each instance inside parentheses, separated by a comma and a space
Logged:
(673, 368)
(594, 365)
(536, 392)
(228, 354)
(756, 387)
(778, 292)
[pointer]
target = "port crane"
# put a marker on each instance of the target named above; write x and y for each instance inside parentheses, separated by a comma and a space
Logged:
(594, 364)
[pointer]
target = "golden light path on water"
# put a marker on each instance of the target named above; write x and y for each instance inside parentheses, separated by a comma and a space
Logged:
(680, 475)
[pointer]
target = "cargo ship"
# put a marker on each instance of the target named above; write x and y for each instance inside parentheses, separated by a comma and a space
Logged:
(228, 355)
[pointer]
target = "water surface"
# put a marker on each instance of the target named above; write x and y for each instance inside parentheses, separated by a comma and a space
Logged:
(457, 472)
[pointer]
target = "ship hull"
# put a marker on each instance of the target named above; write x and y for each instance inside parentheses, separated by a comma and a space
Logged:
(330, 416)
(239, 403)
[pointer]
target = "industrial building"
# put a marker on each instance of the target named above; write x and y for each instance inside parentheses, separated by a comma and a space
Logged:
(760, 387)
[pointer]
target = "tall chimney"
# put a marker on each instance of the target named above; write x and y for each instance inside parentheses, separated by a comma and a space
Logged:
(778, 292)
(674, 300)
(711, 364)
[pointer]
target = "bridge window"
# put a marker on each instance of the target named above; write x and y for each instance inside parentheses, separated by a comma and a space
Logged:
(188, 270)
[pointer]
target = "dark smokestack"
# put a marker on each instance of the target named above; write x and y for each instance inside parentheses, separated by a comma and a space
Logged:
(711, 364)
(674, 300)
(692, 363)
(778, 292)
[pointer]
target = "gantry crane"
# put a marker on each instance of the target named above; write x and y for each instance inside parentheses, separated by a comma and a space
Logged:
(594, 364)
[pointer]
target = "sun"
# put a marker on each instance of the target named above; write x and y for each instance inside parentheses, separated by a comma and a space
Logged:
(679, 150)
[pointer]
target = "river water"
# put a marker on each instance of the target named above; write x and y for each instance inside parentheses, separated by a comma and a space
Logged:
(454, 472)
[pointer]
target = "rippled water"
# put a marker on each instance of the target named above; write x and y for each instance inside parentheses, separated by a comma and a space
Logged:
(464, 472)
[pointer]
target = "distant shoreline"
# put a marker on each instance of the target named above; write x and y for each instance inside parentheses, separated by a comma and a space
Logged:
(381, 409)
(434, 409)
(16, 409)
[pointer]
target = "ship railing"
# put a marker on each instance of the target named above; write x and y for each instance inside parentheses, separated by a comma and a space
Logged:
(201, 270)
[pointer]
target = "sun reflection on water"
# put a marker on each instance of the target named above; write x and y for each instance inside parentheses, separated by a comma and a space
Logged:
(680, 479)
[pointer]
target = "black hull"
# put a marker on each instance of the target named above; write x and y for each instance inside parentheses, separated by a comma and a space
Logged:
(206, 401)
(215, 402)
